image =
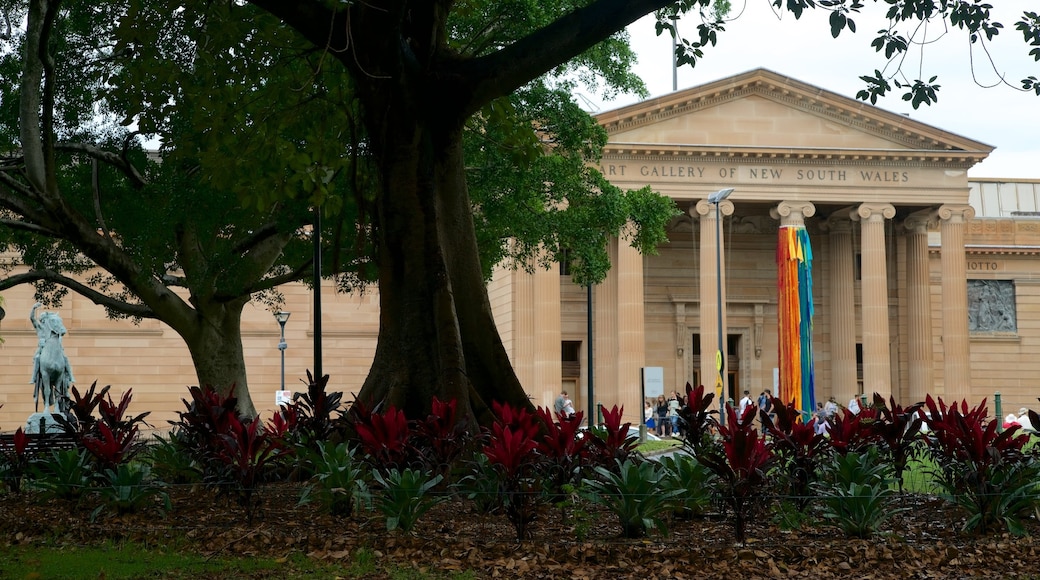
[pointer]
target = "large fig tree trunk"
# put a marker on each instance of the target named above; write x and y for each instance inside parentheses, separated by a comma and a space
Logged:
(437, 336)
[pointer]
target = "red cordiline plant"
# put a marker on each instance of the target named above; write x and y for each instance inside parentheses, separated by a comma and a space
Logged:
(246, 451)
(799, 449)
(611, 444)
(698, 419)
(562, 450)
(384, 437)
(111, 448)
(898, 432)
(511, 451)
(82, 408)
(850, 431)
(439, 438)
(980, 469)
(14, 460)
(111, 438)
(314, 409)
(204, 421)
(741, 463)
(389, 440)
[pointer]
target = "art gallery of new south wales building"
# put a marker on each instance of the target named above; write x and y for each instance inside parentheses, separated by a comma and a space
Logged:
(925, 281)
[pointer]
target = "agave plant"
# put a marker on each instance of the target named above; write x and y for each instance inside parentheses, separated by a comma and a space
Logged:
(338, 482)
(633, 492)
(405, 496)
(857, 492)
(691, 479)
(127, 489)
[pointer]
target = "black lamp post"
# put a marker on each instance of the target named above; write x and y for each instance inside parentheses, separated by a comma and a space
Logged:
(282, 317)
(720, 355)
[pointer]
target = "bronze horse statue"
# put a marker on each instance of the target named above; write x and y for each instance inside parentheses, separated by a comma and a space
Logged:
(52, 373)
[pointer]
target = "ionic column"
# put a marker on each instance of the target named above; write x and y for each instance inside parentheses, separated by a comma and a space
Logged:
(842, 313)
(547, 335)
(605, 331)
(956, 349)
(791, 214)
(631, 354)
(712, 254)
(919, 306)
(877, 361)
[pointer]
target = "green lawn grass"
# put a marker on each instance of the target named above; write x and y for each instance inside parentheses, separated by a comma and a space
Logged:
(131, 561)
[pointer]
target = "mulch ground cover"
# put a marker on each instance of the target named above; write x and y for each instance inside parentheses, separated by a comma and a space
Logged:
(923, 542)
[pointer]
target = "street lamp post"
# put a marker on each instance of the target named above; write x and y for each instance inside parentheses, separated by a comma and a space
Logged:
(720, 355)
(282, 317)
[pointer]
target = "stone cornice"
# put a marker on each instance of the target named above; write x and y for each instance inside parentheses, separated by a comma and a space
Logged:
(835, 108)
(791, 155)
(1001, 250)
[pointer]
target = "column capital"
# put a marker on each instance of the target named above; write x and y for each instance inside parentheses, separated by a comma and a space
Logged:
(792, 213)
(838, 222)
(703, 208)
(955, 213)
(873, 212)
(920, 222)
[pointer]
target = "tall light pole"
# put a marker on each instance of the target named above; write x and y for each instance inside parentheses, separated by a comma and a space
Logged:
(282, 317)
(720, 355)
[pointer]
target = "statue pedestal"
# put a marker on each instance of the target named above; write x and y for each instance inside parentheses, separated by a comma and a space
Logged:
(42, 423)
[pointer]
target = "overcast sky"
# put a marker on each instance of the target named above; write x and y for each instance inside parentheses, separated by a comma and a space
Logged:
(1002, 116)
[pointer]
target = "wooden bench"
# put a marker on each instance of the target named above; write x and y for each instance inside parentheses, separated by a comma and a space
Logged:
(42, 443)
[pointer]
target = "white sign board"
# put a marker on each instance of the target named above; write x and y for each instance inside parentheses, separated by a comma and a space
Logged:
(653, 381)
(282, 398)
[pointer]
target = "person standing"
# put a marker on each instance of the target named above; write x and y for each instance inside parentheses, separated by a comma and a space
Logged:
(674, 403)
(830, 409)
(568, 407)
(560, 403)
(664, 426)
(765, 405)
(854, 405)
(745, 404)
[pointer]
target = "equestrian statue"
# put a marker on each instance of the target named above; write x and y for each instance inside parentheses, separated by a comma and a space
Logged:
(52, 373)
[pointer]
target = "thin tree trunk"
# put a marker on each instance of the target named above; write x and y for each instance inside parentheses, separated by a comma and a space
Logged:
(216, 351)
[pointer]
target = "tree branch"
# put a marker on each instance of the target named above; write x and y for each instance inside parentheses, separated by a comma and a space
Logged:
(300, 273)
(503, 71)
(28, 227)
(120, 162)
(135, 310)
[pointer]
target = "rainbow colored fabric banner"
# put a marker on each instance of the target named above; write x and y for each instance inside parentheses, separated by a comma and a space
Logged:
(794, 280)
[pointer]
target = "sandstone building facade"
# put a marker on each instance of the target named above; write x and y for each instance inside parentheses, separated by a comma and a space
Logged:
(925, 281)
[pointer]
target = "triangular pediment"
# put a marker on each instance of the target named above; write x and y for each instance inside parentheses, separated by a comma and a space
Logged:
(765, 114)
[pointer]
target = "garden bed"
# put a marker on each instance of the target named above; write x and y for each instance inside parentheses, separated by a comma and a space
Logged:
(583, 542)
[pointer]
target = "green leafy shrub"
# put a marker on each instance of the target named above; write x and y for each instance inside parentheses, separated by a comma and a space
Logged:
(633, 492)
(404, 496)
(128, 489)
(338, 483)
(857, 492)
(480, 484)
(64, 474)
(692, 480)
(171, 462)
